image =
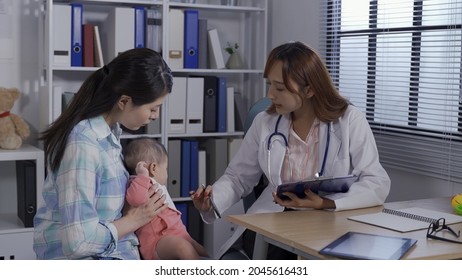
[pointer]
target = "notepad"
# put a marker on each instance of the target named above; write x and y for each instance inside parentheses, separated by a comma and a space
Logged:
(404, 220)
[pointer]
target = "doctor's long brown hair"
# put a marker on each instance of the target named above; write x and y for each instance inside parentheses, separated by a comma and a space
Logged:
(303, 65)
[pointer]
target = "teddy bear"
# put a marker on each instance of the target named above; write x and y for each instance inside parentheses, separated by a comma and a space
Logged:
(13, 129)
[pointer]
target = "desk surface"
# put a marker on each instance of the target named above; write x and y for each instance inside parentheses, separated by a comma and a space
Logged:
(309, 231)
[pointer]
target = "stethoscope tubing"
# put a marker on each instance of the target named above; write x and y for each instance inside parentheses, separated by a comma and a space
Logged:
(277, 133)
(286, 142)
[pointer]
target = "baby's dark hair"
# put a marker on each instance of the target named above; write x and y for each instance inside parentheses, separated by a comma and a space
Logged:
(143, 149)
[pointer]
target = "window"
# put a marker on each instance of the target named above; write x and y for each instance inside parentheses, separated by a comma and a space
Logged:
(400, 62)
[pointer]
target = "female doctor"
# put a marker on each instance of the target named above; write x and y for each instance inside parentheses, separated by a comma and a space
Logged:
(309, 130)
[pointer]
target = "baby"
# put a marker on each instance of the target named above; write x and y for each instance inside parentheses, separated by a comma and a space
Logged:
(165, 237)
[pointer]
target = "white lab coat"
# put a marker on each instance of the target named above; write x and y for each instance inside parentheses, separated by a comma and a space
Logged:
(352, 150)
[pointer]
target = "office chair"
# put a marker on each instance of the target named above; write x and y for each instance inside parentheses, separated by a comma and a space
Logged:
(257, 107)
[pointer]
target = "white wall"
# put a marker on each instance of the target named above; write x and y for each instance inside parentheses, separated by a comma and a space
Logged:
(298, 20)
(293, 20)
(19, 52)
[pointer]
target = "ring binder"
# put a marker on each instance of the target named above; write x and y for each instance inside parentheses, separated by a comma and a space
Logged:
(26, 191)
(76, 35)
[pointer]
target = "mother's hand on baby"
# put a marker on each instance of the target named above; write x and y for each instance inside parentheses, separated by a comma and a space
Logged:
(156, 203)
(142, 168)
(148, 211)
(135, 217)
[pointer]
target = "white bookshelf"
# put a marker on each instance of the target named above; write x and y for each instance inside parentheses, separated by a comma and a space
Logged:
(15, 239)
(245, 23)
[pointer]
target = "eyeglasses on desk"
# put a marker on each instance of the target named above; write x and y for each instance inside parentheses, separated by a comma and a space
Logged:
(438, 226)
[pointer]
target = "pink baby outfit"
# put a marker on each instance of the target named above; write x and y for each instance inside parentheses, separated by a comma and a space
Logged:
(168, 222)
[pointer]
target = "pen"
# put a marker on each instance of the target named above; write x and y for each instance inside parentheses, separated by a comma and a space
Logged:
(211, 202)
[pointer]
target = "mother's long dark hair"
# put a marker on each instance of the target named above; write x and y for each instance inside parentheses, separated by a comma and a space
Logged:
(141, 74)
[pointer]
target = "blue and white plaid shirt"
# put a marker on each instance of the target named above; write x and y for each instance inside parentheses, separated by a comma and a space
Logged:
(84, 197)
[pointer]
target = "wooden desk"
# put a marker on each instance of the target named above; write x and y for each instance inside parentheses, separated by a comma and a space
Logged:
(306, 232)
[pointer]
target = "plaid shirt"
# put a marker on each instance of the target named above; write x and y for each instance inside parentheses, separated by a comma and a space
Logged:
(84, 197)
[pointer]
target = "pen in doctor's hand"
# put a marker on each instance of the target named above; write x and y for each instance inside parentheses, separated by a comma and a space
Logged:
(211, 203)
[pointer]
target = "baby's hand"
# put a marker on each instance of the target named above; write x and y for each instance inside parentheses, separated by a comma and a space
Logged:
(142, 168)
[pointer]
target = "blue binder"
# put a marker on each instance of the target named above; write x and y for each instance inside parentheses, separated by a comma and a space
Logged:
(221, 105)
(76, 35)
(191, 39)
(194, 166)
(185, 168)
(140, 20)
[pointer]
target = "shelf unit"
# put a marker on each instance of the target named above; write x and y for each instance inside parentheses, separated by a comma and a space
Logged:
(15, 239)
(245, 23)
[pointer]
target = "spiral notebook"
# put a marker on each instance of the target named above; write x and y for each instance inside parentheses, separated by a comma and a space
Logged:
(404, 220)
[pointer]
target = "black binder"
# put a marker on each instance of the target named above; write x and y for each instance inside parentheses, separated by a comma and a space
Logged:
(26, 191)
(210, 103)
(195, 224)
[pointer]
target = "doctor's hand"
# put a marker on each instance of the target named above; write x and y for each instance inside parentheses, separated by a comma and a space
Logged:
(201, 198)
(311, 200)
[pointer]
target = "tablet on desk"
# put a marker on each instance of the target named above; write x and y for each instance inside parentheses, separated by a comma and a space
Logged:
(327, 184)
(364, 246)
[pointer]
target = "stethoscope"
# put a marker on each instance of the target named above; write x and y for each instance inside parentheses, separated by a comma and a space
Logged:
(276, 133)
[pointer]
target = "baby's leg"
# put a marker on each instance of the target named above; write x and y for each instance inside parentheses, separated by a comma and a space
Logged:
(175, 248)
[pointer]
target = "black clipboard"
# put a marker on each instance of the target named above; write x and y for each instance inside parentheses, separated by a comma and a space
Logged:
(323, 184)
(365, 246)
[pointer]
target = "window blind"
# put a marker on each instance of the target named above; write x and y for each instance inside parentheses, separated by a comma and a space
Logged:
(400, 62)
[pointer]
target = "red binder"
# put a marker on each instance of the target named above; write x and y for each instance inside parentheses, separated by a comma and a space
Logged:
(88, 45)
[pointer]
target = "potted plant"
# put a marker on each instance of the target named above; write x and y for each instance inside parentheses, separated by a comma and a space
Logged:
(230, 48)
(234, 60)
